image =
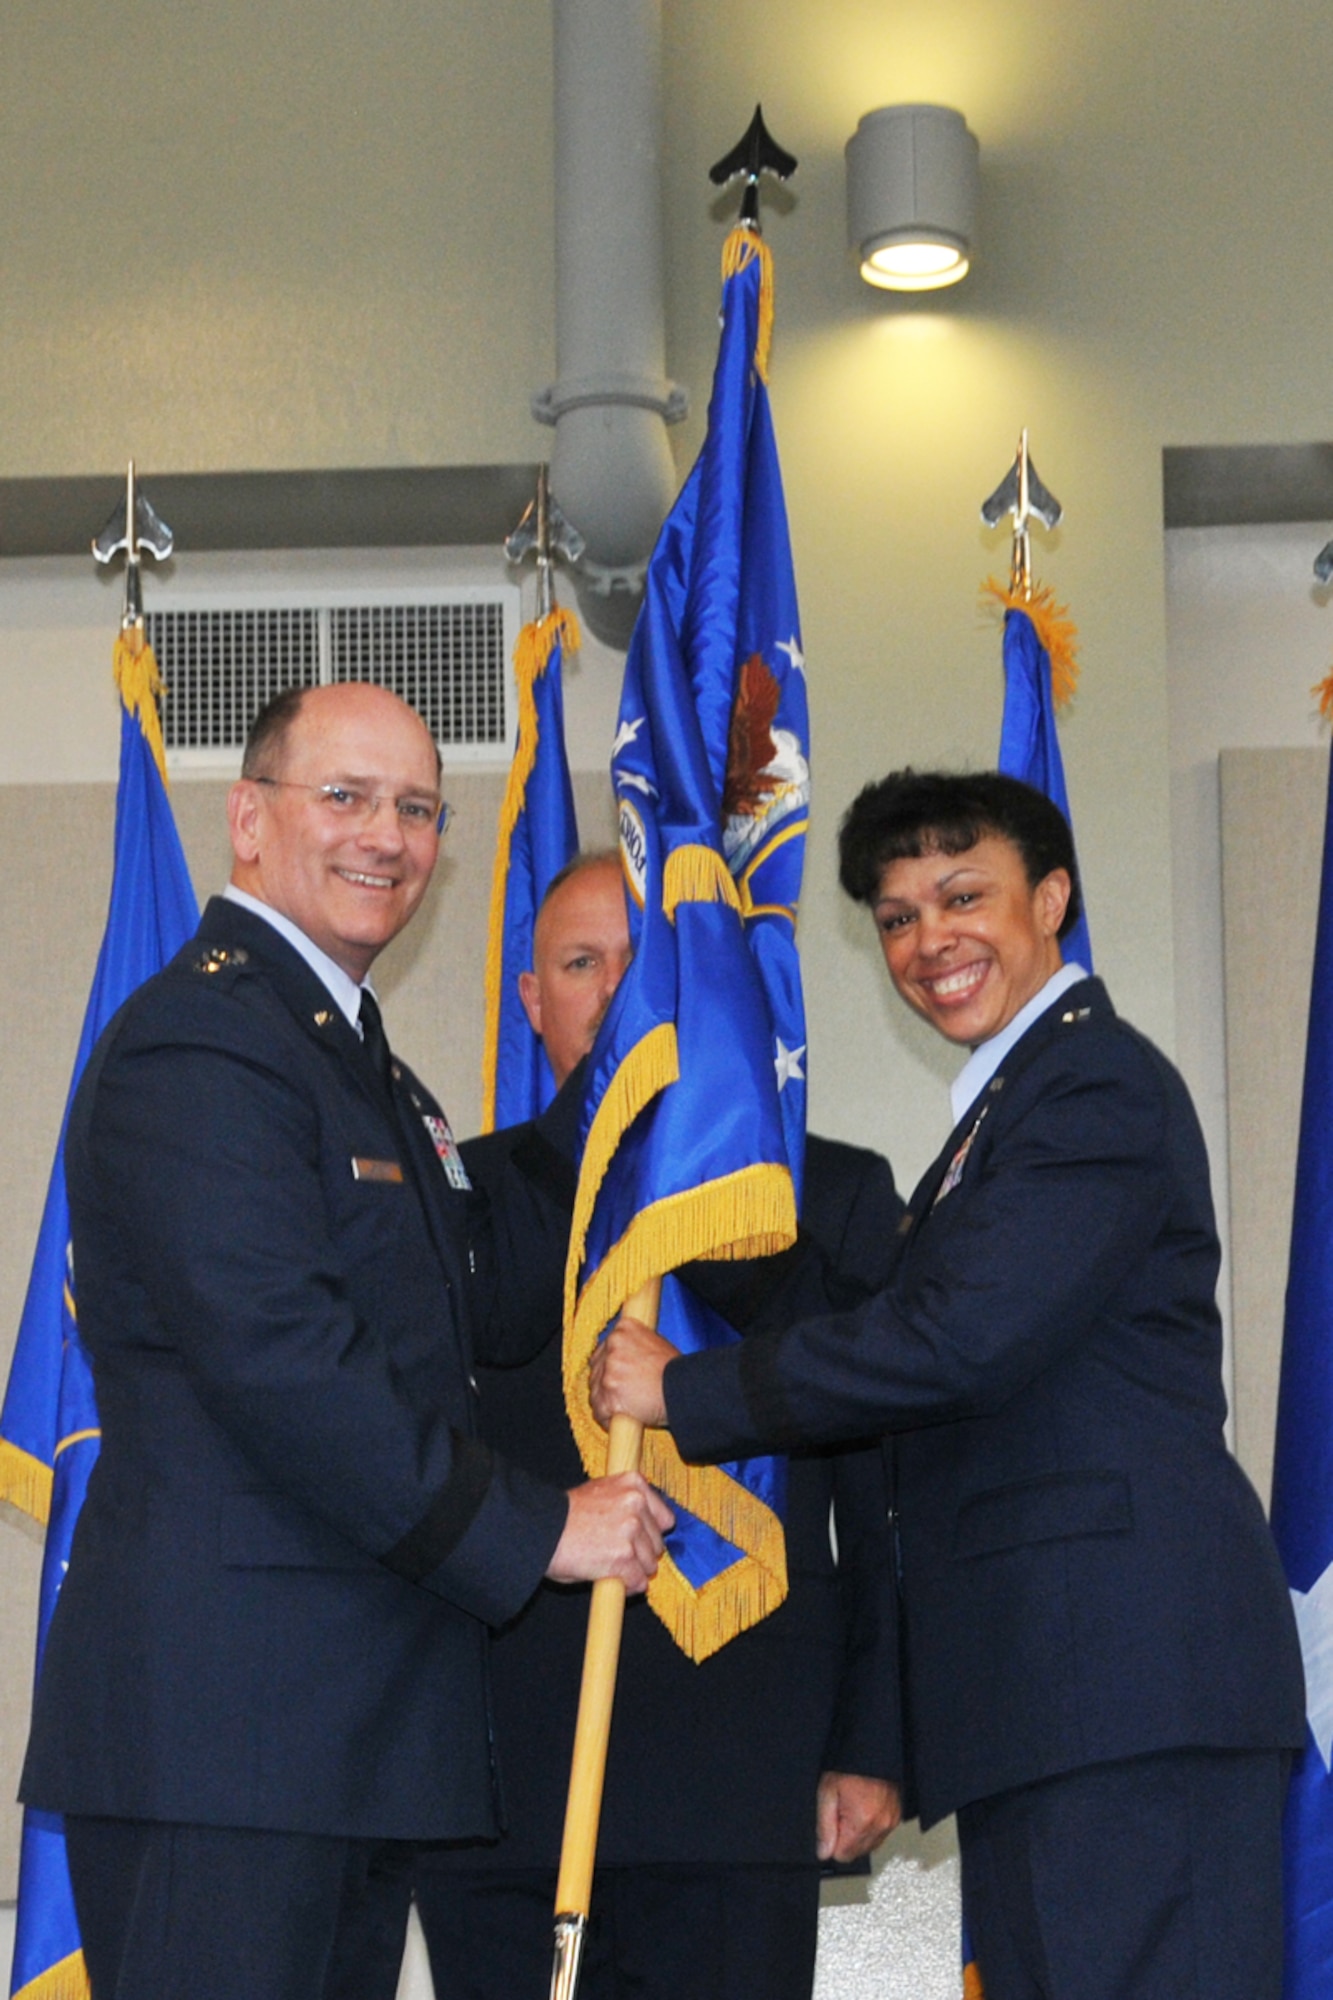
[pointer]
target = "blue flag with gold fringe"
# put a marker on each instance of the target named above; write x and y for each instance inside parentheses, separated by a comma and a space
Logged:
(1039, 673)
(695, 1118)
(48, 1427)
(538, 835)
(1303, 1483)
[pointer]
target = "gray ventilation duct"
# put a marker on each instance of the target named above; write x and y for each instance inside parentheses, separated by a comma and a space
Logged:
(611, 467)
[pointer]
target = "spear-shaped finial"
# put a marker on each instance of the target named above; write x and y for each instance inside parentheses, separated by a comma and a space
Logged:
(133, 528)
(1021, 494)
(757, 153)
(544, 529)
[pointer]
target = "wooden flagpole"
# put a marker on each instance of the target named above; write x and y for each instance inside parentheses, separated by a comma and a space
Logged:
(601, 1659)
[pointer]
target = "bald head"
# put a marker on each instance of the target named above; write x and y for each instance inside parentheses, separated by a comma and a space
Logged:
(333, 821)
(580, 951)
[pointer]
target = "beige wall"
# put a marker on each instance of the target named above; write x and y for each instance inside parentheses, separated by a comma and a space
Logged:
(282, 237)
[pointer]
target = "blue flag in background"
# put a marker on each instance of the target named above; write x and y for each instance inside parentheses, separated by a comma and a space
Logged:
(538, 835)
(49, 1427)
(1029, 744)
(695, 1118)
(1303, 1484)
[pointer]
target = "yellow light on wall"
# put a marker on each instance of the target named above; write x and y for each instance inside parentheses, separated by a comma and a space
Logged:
(913, 172)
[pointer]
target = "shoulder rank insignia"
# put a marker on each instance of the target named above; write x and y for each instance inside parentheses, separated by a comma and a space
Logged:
(215, 956)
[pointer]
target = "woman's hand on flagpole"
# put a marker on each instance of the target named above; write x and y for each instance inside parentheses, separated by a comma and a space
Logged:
(625, 1378)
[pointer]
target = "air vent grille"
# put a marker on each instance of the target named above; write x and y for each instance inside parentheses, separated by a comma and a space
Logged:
(221, 663)
(447, 660)
(219, 667)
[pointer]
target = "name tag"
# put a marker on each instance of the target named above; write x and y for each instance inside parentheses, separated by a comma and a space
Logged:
(375, 1170)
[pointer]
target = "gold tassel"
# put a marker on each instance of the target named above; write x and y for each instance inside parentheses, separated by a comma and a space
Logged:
(697, 874)
(25, 1482)
(972, 1986)
(649, 1067)
(741, 248)
(1055, 629)
(139, 685)
(1323, 694)
(532, 656)
(751, 1213)
(66, 1980)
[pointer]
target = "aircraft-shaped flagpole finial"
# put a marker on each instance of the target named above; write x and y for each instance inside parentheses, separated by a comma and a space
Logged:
(133, 527)
(545, 530)
(757, 153)
(1021, 494)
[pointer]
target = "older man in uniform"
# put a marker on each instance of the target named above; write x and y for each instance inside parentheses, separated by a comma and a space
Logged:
(269, 1654)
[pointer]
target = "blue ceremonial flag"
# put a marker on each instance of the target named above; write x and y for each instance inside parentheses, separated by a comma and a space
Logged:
(48, 1427)
(1035, 634)
(695, 1119)
(1303, 1484)
(538, 835)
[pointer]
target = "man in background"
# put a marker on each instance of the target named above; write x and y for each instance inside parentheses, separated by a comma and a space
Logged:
(728, 1782)
(268, 1660)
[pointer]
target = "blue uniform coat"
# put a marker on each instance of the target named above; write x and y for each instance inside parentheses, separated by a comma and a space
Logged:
(1086, 1572)
(294, 1540)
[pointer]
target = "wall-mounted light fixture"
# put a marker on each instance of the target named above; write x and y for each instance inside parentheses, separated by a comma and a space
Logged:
(912, 178)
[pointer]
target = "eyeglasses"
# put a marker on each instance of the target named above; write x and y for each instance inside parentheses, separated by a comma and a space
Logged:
(356, 807)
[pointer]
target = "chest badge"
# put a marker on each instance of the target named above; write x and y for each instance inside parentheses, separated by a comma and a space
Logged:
(446, 1146)
(954, 1172)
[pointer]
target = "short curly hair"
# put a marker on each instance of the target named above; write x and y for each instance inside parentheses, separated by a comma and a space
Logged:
(911, 813)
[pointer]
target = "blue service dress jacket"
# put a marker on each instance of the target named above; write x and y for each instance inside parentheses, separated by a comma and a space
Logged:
(1086, 1573)
(713, 1765)
(294, 1539)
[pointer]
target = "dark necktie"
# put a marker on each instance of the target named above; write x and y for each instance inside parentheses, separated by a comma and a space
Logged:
(374, 1038)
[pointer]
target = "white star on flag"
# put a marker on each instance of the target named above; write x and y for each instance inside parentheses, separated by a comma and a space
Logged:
(787, 1063)
(792, 648)
(1314, 1622)
(627, 733)
(637, 780)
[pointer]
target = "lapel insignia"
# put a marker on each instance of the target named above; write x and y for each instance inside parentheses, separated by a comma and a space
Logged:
(375, 1170)
(446, 1146)
(323, 1018)
(954, 1172)
(215, 956)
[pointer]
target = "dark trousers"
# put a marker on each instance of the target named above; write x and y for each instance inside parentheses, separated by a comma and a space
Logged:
(654, 1933)
(171, 1912)
(1155, 1879)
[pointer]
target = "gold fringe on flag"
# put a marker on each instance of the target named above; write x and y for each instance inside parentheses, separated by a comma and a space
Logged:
(740, 249)
(697, 874)
(532, 655)
(140, 686)
(972, 1986)
(1054, 627)
(25, 1482)
(66, 1980)
(1323, 694)
(753, 1213)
